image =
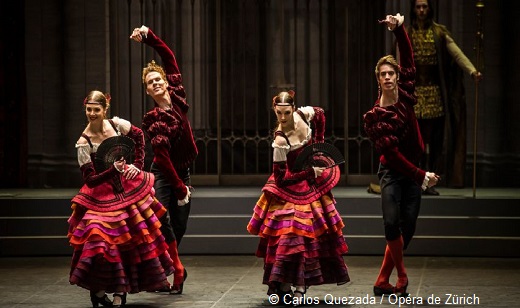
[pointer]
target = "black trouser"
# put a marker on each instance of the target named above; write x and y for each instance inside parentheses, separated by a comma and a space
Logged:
(432, 132)
(175, 221)
(401, 202)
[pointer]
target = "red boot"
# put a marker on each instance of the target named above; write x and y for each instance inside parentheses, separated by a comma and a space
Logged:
(396, 250)
(382, 285)
(180, 273)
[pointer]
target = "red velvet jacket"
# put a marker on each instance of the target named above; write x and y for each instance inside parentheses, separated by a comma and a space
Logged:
(394, 129)
(169, 131)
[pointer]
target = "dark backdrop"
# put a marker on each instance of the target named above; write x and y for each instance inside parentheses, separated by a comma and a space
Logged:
(234, 56)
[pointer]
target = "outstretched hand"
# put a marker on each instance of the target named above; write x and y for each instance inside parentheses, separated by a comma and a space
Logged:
(318, 171)
(138, 34)
(477, 76)
(186, 198)
(392, 21)
(120, 164)
(131, 171)
(433, 179)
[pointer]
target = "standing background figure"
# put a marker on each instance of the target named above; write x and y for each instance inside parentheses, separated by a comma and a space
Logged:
(441, 101)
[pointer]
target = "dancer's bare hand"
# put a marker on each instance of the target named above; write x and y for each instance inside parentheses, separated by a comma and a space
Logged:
(138, 33)
(477, 76)
(131, 172)
(433, 179)
(120, 164)
(318, 171)
(392, 21)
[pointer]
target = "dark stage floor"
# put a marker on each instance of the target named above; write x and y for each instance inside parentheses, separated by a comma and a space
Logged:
(465, 251)
(235, 281)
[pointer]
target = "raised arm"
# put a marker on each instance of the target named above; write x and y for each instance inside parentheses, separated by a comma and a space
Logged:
(147, 36)
(407, 73)
(406, 81)
(405, 48)
(173, 74)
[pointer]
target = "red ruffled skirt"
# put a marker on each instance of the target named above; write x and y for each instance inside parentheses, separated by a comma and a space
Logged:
(121, 250)
(301, 244)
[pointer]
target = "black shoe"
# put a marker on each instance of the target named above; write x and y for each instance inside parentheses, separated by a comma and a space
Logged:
(431, 192)
(177, 289)
(163, 289)
(285, 298)
(104, 301)
(299, 298)
(401, 291)
(123, 300)
(273, 288)
(387, 290)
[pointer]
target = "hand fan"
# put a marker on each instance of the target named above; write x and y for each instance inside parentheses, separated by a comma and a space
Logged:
(113, 149)
(318, 155)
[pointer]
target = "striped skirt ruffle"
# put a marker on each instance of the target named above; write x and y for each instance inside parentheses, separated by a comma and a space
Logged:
(301, 244)
(119, 251)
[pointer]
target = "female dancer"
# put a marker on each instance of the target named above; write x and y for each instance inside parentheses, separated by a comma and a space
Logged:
(114, 227)
(392, 126)
(300, 231)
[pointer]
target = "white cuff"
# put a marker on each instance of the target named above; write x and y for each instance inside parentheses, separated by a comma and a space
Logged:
(120, 171)
(131, 166)
(426, 180)
(400, 19)
(144, 30)
(315, 172)
(186, 199)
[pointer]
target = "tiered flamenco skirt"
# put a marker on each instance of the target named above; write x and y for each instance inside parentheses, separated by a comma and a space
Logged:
(121, 250)
(302, 244)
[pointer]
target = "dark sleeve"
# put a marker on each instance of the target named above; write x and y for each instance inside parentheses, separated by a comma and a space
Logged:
(284, 177)
(162, 160)
(158, 126)
(92, 179)
(173, 73)
(381, 126)
(137, 135)
(319, 124)
(168, 58)
(393, 159)
(407, 70)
